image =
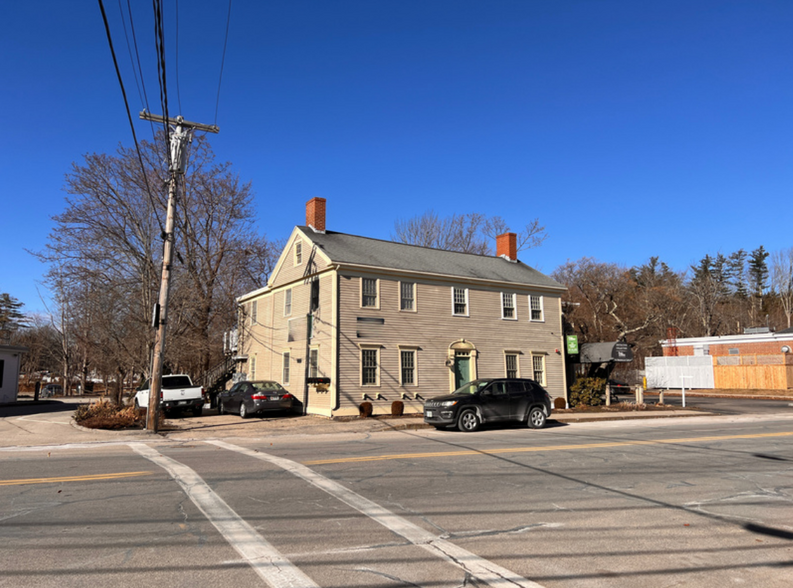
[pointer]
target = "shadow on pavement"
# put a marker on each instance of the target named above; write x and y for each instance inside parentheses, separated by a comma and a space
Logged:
(27, 407)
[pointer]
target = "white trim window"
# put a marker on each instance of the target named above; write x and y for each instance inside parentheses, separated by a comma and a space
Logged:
(314, 305)
(536, 313)
(298, 253)
(508, 310)
(288, 302)
(254, 312)
(313, 363)
(370, 366)
(285, 369)
(253, 367)
(511, 364)
(407, 367)
(407, 296)
(369, 298)
(459, 301)
(538, 369)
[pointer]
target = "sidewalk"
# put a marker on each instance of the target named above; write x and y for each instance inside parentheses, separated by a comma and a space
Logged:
(29, 424)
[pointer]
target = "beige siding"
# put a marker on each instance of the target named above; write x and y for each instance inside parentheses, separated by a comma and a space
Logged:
(270, 338)
(431, 329)
(288, 272)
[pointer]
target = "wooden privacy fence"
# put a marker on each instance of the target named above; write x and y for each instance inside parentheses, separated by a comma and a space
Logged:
(771, 372)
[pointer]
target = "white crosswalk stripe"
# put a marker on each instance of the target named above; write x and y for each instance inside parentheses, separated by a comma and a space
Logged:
(482, 569)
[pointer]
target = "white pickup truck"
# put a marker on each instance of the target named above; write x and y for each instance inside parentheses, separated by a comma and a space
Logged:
(178, 393)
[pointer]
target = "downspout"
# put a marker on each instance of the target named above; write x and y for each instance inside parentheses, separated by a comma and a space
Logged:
(306, 360)
(336, 401)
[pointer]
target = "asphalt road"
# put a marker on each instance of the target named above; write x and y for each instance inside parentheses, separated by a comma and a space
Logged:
(701, 501)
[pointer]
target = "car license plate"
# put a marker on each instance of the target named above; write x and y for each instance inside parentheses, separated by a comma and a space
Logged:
(430, 413)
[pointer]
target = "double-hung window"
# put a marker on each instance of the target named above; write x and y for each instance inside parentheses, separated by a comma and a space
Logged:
(254, 311)
(460, 301)
(298, 253)
(407, 364)
(253, 367)
(407, 296)
(288, 302)
(313, 363)
(369, 293)
(538, 365)
(315, 295)
(511, 360)
(369, 367)
(535, 308)
(285, 369)
(508, 306)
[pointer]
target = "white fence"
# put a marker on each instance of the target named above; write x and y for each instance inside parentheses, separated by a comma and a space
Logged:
(672, 372)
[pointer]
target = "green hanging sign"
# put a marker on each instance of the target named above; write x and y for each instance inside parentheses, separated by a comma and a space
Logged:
(572, 344)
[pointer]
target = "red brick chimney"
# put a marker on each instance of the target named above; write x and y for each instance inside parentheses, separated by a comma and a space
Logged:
(315, 214)
(507, 246)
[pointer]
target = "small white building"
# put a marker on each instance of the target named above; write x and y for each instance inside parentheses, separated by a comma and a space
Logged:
(10, 360)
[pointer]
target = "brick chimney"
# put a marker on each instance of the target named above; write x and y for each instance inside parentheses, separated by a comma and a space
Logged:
(507, 246)
(315, 214)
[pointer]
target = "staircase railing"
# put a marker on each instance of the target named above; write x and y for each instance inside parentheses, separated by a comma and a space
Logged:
(214, 379)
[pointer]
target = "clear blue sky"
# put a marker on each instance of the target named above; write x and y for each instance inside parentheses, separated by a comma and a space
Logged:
(630, 128)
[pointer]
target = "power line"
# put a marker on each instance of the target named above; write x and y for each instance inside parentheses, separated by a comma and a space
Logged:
(159, 41)
(222, 63)
(129, 50)
(140, 68)
(178, 93)
(126, 105)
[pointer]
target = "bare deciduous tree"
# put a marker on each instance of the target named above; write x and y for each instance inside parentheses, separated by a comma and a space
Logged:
(467, 233)
(105, 254)
(782, 280)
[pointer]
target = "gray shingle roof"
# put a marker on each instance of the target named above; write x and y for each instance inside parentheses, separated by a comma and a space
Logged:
(351, 249)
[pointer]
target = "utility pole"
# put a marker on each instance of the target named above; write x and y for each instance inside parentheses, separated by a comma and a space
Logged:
(181, 136)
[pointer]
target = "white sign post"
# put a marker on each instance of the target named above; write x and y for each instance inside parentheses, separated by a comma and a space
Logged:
(683, 378)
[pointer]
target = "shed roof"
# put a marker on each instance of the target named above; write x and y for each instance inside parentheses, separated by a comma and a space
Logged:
(364, 251)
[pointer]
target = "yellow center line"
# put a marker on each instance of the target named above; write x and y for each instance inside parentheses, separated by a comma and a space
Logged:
(73, 478)
(541, 449)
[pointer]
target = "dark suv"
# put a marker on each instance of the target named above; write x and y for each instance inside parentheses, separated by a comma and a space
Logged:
(490, 400)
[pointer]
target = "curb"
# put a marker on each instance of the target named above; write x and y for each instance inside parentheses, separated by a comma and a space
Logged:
(736, 396)
(118, 432)
(631, 417)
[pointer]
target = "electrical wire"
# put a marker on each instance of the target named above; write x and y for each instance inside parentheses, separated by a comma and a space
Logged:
(222, 63)
(159, 41)
(178, 93)
(140, 68)
(129, 50)
(126, 104)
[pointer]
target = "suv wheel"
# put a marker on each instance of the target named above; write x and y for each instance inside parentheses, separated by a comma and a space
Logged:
(536, 418)
(468, 422)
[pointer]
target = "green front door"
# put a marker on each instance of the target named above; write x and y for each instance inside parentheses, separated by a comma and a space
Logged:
(462, 370)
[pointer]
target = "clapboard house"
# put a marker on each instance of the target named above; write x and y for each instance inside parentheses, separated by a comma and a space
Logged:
(346, 318)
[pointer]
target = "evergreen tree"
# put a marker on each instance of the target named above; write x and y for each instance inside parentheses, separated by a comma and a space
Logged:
(758, 271)
(758, 279)
(11, 318)
(736, 273)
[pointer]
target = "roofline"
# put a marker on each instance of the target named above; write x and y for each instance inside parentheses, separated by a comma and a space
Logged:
(727, 339)
(14, 348)
(392, 271)
(255, 293)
